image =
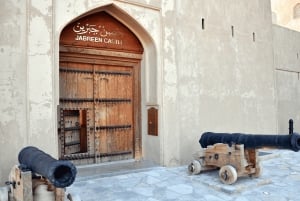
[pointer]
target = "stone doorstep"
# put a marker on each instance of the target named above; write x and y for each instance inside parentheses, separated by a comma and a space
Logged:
(109, 169)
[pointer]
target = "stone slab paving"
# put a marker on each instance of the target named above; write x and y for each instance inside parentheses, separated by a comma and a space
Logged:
(280, 181)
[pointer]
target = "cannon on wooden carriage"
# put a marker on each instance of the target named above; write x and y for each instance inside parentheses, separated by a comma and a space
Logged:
(39, 176)
(237, 154)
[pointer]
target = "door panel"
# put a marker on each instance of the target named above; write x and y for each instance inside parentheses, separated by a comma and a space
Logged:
(114, 108)
(74, 127)
(107, 92)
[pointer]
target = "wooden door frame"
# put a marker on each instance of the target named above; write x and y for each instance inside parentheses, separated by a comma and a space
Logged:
(106, 57)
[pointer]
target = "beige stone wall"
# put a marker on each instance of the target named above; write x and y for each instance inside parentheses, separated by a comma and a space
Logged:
(213, 81)
(26, 85)
(287, 68)
(13, 87)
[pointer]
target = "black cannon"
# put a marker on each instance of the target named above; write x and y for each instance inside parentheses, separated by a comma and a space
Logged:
(237, 154)
(60, 173)
(250, 141)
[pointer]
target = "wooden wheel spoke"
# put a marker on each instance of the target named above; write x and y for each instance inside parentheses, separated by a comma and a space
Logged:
(228, 174)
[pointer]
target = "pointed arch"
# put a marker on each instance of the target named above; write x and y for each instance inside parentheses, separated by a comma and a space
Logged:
(150, 57)
(149, 62)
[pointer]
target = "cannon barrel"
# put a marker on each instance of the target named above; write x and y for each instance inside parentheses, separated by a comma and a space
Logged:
(59, 172)
(249, 141)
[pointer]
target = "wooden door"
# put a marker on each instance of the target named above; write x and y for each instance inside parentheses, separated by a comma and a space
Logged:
(100, 83)
(113, 95)
(105, 95)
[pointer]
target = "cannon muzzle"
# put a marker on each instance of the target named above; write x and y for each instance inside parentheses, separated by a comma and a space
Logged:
(59, 172)
(249, 141)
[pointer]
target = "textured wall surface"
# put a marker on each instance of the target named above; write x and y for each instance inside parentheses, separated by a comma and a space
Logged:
(214, 81)
(26, 86)
(40, 76)
(13, 85)
(287, 65)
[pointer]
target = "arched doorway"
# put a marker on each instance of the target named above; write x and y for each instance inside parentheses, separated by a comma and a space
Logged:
(99, 84)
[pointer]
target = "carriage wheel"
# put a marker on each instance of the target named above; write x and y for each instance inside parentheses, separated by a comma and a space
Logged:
(194, 167)
(228, 174)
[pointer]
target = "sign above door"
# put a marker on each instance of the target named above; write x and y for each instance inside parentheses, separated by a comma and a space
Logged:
(100, 30)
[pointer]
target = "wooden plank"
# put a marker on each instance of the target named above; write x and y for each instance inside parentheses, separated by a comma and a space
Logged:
(99, 52)
(23, 184)
(59, 194)
(112, 96)
(136, 132)
(83, 131)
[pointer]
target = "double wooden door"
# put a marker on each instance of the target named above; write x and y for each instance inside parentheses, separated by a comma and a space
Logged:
(98, 107)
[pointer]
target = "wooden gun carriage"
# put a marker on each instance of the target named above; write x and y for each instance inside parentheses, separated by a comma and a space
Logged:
(237, 154)
(39, 177)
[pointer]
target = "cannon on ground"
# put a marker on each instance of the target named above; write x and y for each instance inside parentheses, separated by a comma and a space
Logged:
(237, 154)
(60, 173)
(39, 176)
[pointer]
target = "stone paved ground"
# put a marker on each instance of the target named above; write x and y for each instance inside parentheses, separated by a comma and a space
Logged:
(280, 181)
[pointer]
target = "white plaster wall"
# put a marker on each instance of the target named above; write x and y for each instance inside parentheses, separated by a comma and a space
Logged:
(213, 81)
(286, 48)
(13, 86)
(27, 107)
(42, 109)
(170, 106)
(287, 67)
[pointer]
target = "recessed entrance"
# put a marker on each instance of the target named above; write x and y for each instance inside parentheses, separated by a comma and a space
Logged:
(99, 83)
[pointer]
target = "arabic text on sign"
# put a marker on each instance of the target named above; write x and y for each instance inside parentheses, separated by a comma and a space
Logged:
(92, 29)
